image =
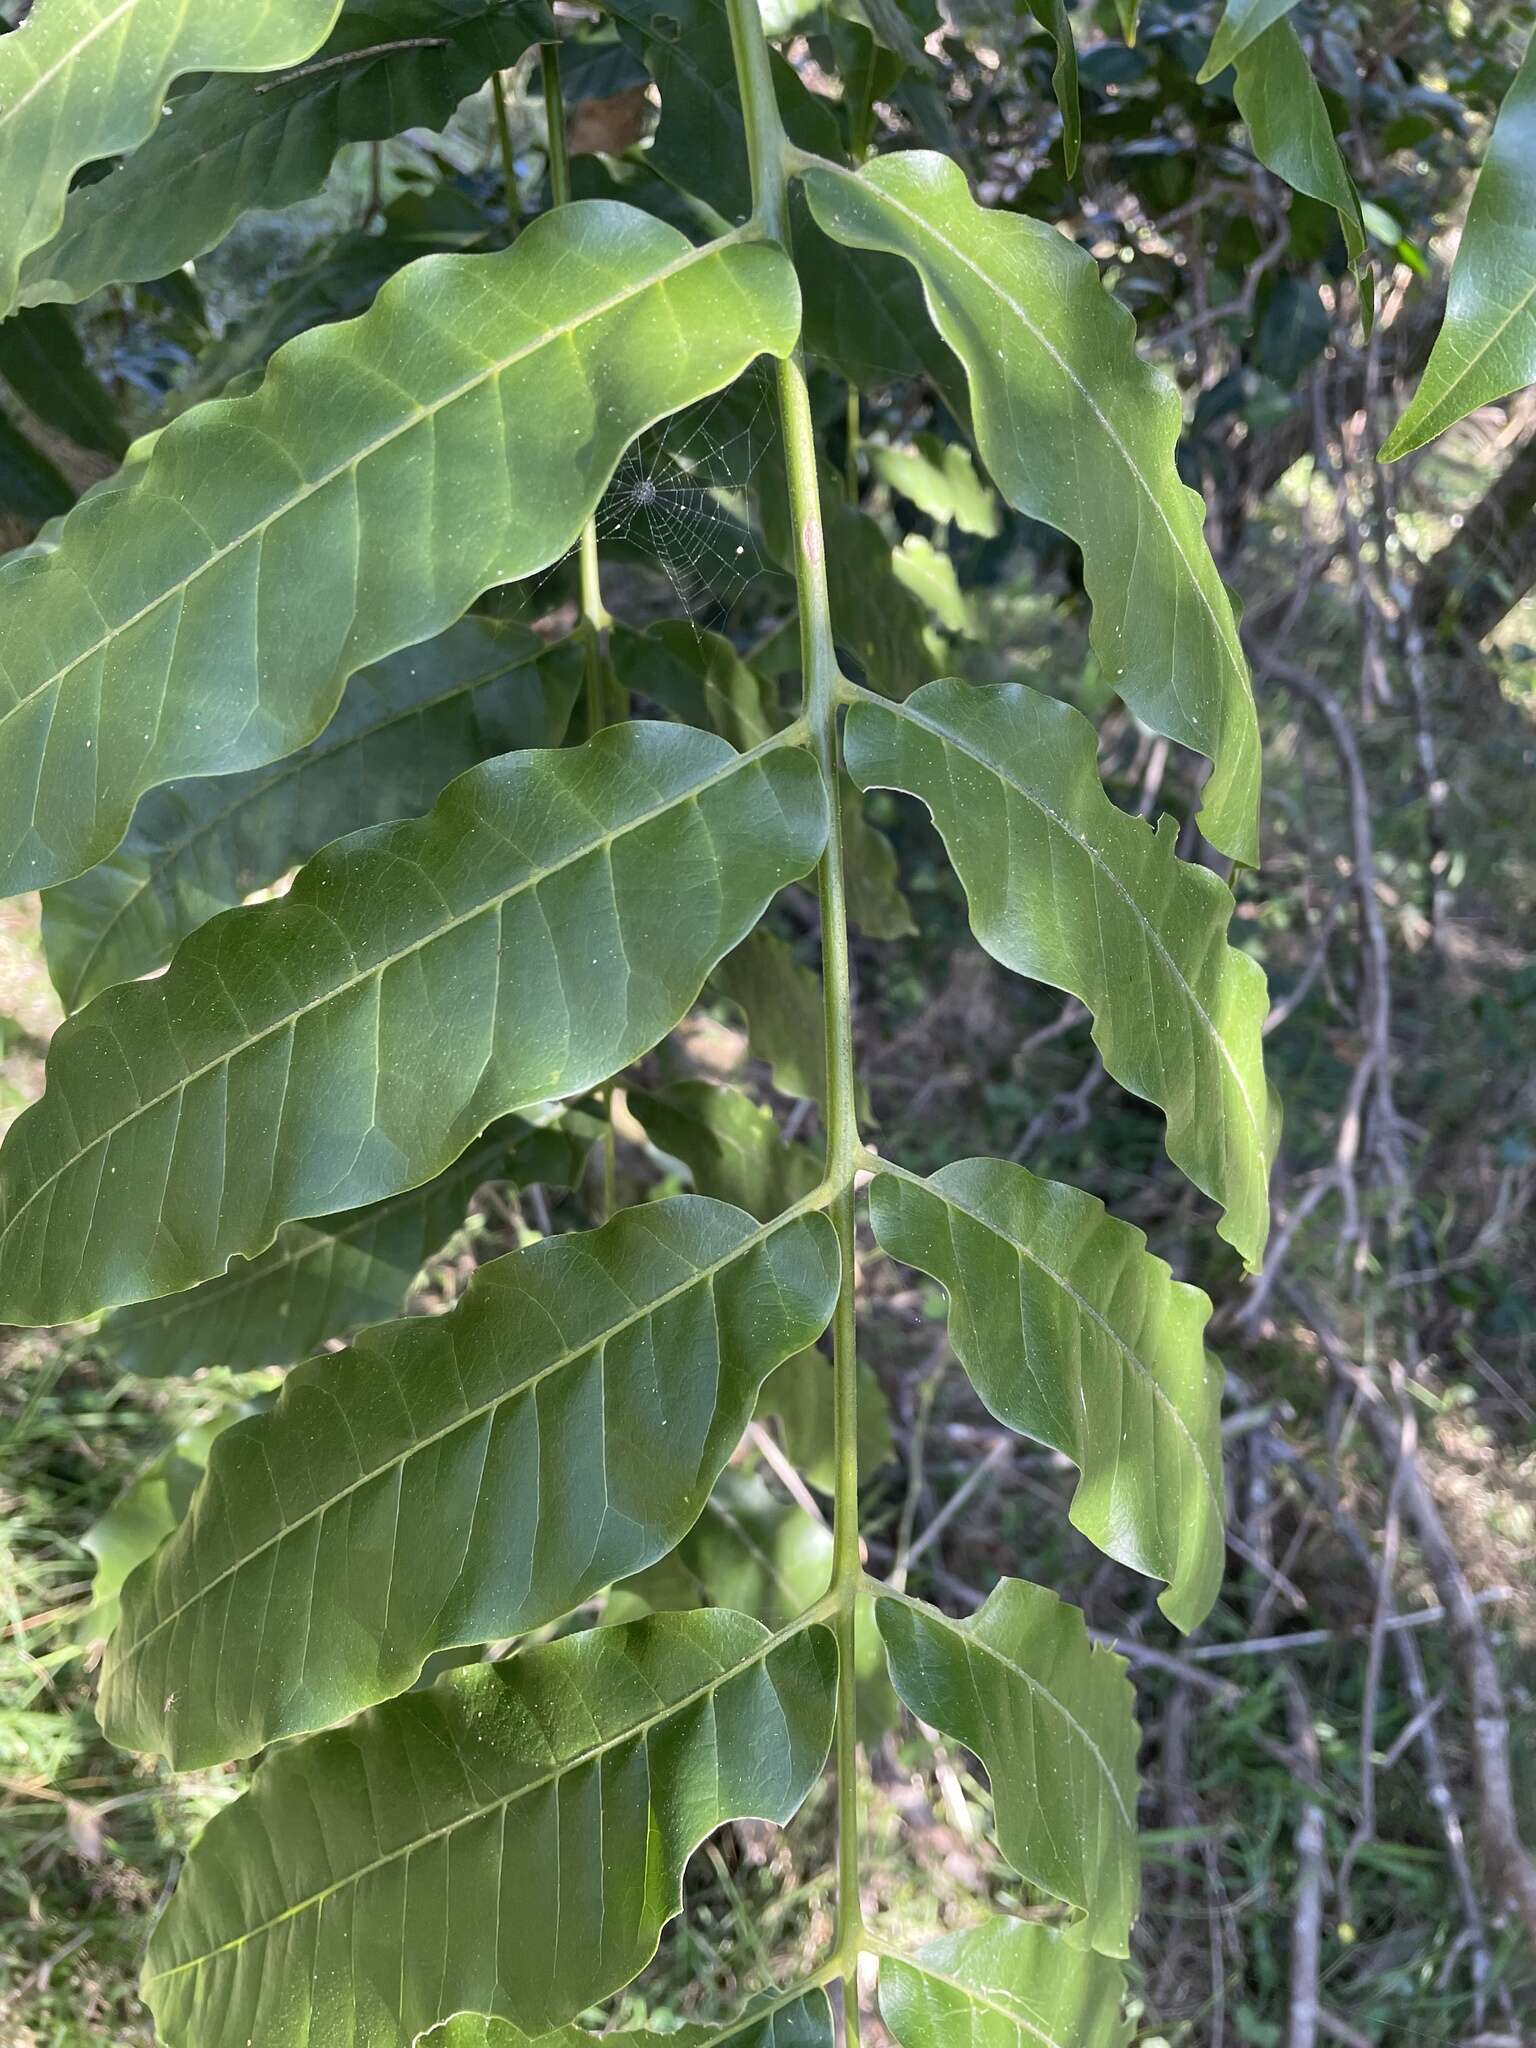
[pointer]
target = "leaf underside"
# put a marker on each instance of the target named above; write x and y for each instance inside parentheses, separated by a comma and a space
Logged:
(1051, 1717)
(82, 82)
(321, 1279)
(462, 1478)
(235, 144)
(549, 920)
(510, 1840)
(1004, 1984)
(356, 503)
(405, 727)
(1074, 1334)
(1075, 429)
(1065, 887)
(1486, 347)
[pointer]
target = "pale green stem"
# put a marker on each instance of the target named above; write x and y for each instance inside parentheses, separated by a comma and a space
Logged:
(818, 662)
(508, 155)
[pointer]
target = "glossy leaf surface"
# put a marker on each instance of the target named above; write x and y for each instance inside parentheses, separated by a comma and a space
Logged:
(319, 1280)
(551, 918)
(1066, 888)
(1242, 23)
(460, 1478)
(1075, 429)
(1075, 1335)
(407, 725)
(1004, 1984)
(85, 79)
(1486, 347)
(546, 1806)
(234, 144)
(1051, 1717)
(1292, 136)
(1053, 17)
(378, 481)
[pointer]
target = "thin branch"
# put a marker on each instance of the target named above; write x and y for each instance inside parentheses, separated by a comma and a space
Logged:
(342, 57)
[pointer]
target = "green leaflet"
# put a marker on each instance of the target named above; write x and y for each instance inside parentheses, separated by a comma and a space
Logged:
(729, 1143)
(1486, 347)
(1067, 888)
(233, 145)
(929, 573)
(42, 361)
(141, 1518)
(1053, 17)
(801, 2021)
(1127, 13)
(551, 918)
(460, 1478)
(1292, 136)
(85, 79)
(406, 726)
(319, 1280)
(1241, 24)
(545, 1807)
(1076, 430)
(1051, 1718)
(1075, 1335)
(940, 479)
(356, 503)
(1004, 1984)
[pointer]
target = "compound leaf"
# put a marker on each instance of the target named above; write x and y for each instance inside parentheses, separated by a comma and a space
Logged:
(1067, 888)
(233, 144)
(378, 481)
(548, 921)
(459, 1478)
(407, 725)
(542, 1809)
(1004, 1984)
(1078, 431)
(85, 79)
(1486, 347)
(1075, 1335)
(1051, 1717)
(321, 1279)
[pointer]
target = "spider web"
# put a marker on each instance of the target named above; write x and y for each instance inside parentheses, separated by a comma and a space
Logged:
(681, 496)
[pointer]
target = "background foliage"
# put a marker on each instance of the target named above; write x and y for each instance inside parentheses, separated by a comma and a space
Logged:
(1306, 1765)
